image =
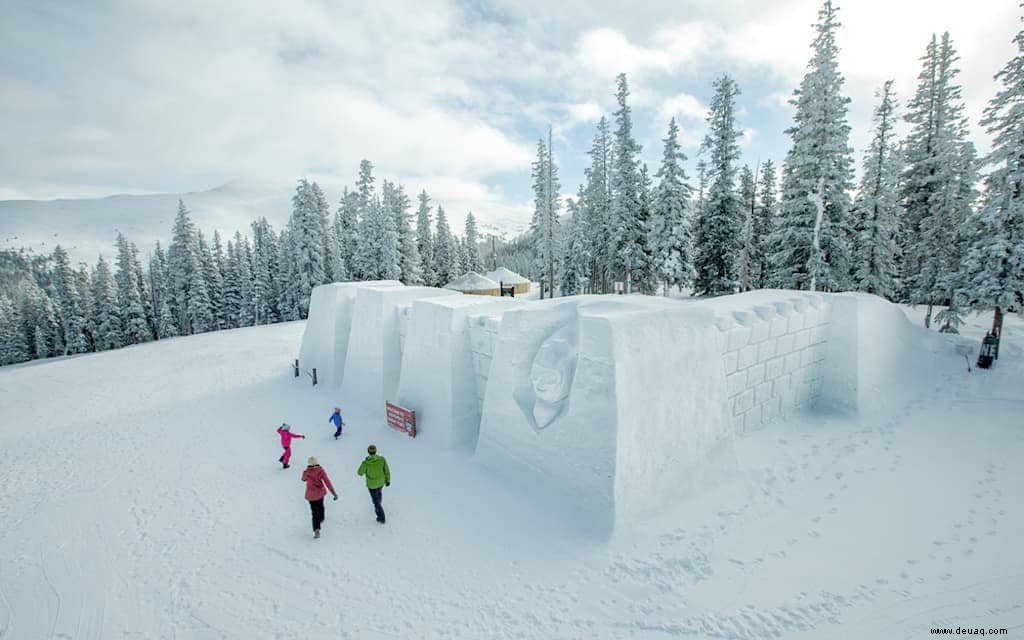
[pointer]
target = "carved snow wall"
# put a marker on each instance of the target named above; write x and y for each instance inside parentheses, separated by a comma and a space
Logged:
(575, 405)
(325, 339)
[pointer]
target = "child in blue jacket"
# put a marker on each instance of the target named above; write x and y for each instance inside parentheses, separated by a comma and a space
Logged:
(336, 419)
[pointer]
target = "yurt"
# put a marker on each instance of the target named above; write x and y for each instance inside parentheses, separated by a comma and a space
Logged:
(503, 276)
(474, 284)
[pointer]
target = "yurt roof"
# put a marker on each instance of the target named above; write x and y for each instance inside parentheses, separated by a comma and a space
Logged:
(472, 281)
(506, 276)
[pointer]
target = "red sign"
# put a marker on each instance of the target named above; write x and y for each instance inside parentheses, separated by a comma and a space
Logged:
(401, 418)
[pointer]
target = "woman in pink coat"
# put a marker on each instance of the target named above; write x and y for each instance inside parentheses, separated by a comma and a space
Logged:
(286, 441)
(317, 485)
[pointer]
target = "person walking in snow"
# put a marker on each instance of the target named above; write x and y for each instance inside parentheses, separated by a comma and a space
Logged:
(378, 476)
(317, 486)
(286, 442)
(336, 419)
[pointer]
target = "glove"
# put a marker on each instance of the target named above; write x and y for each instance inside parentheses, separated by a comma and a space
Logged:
(335, 497)
(387, 484)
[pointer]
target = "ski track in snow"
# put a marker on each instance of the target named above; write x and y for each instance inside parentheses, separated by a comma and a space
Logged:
(141, 500)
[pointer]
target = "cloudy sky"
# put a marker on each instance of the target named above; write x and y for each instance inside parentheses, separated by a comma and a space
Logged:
(110, 97)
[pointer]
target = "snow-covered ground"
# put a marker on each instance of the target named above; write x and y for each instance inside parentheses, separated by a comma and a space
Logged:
(140, 497)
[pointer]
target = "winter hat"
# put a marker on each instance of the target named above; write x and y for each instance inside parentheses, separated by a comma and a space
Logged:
(312, 461)
(337, 409)
(284, 425)
(372, 449)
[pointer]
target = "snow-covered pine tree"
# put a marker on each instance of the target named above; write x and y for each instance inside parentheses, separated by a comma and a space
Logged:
(445, 252)
(748, 204)
(192, 306)
(817, 174)
(218, 261)
(134, 324)
(544, 228)
(247, 311)
(212, 279)
(764, 221)
(105, 316)
(159, 287)
(994, 268)
(576, 262)
(644, 277)
(390, 258)
(71, 314)
(409, 263)
(39, 318)
(13, 348)
(346, 229)
(597, 209)
(717, 238)
(307, 255)
(233, 304)
(875, 208)
(425, 242)
(628, 230)
(669, 228)
(473, 260)
(265, 254)
(83, 283)
(937, 185)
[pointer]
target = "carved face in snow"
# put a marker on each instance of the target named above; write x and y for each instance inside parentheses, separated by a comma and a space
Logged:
(551, 376)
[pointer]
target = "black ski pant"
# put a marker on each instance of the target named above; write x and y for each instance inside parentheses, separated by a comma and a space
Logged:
(317, 507)
(376, 495)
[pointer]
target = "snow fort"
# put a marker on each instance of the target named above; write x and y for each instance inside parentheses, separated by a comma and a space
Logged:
(611, 406)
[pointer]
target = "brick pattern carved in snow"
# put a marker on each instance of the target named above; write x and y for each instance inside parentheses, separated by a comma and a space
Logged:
(773, 356)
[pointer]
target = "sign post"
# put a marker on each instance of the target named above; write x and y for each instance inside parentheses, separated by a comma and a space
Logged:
(401, 418)
(620, 288)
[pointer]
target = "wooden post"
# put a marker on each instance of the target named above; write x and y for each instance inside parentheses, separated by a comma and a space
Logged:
(997, 329)
(314, 376)
(296, 365)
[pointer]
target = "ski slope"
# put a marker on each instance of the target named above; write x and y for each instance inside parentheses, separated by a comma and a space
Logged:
(141, 497)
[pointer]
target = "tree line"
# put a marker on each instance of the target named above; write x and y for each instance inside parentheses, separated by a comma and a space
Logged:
(50, 308)
(915, 230)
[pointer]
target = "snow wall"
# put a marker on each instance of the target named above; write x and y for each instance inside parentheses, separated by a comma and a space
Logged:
(373, 361)
(611, 407)
(325, 339)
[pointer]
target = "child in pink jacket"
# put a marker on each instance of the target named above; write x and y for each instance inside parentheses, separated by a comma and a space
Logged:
(286, 441)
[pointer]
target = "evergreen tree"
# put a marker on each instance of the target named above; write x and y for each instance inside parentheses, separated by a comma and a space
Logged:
(876, 205)
(937, 185)
(747, 198)
(544, 230)
(994, 269)
(628, 229)
(445, 250)
(576, 261)
(473, 260)
(597, 211)
(191, 298)
(307, 256)
(106, 319)
(346, 229)
(160, 292)
(69, 305)
(761, 250)
(409, 263)
(817, 174)
(719, 221)
(670, 230)
(83, 284)
(425, 242)
(213, 283)
(264, 272)
(134, 324)
(13, 348)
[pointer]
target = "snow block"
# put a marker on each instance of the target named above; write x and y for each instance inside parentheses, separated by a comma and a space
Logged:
(586, 405)
(374, 360)
(325, 338)
(439, 375)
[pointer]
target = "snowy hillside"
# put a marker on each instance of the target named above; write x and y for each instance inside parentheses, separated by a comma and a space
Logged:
(141, 497)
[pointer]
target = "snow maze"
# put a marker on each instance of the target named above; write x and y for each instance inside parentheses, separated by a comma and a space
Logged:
(610, 406)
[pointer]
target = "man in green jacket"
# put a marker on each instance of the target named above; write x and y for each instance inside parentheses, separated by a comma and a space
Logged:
(375, 468)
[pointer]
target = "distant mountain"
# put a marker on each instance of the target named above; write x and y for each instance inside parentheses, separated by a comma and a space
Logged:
(87, 227)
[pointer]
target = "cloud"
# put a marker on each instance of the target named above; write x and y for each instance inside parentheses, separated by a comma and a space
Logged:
(684, 105)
